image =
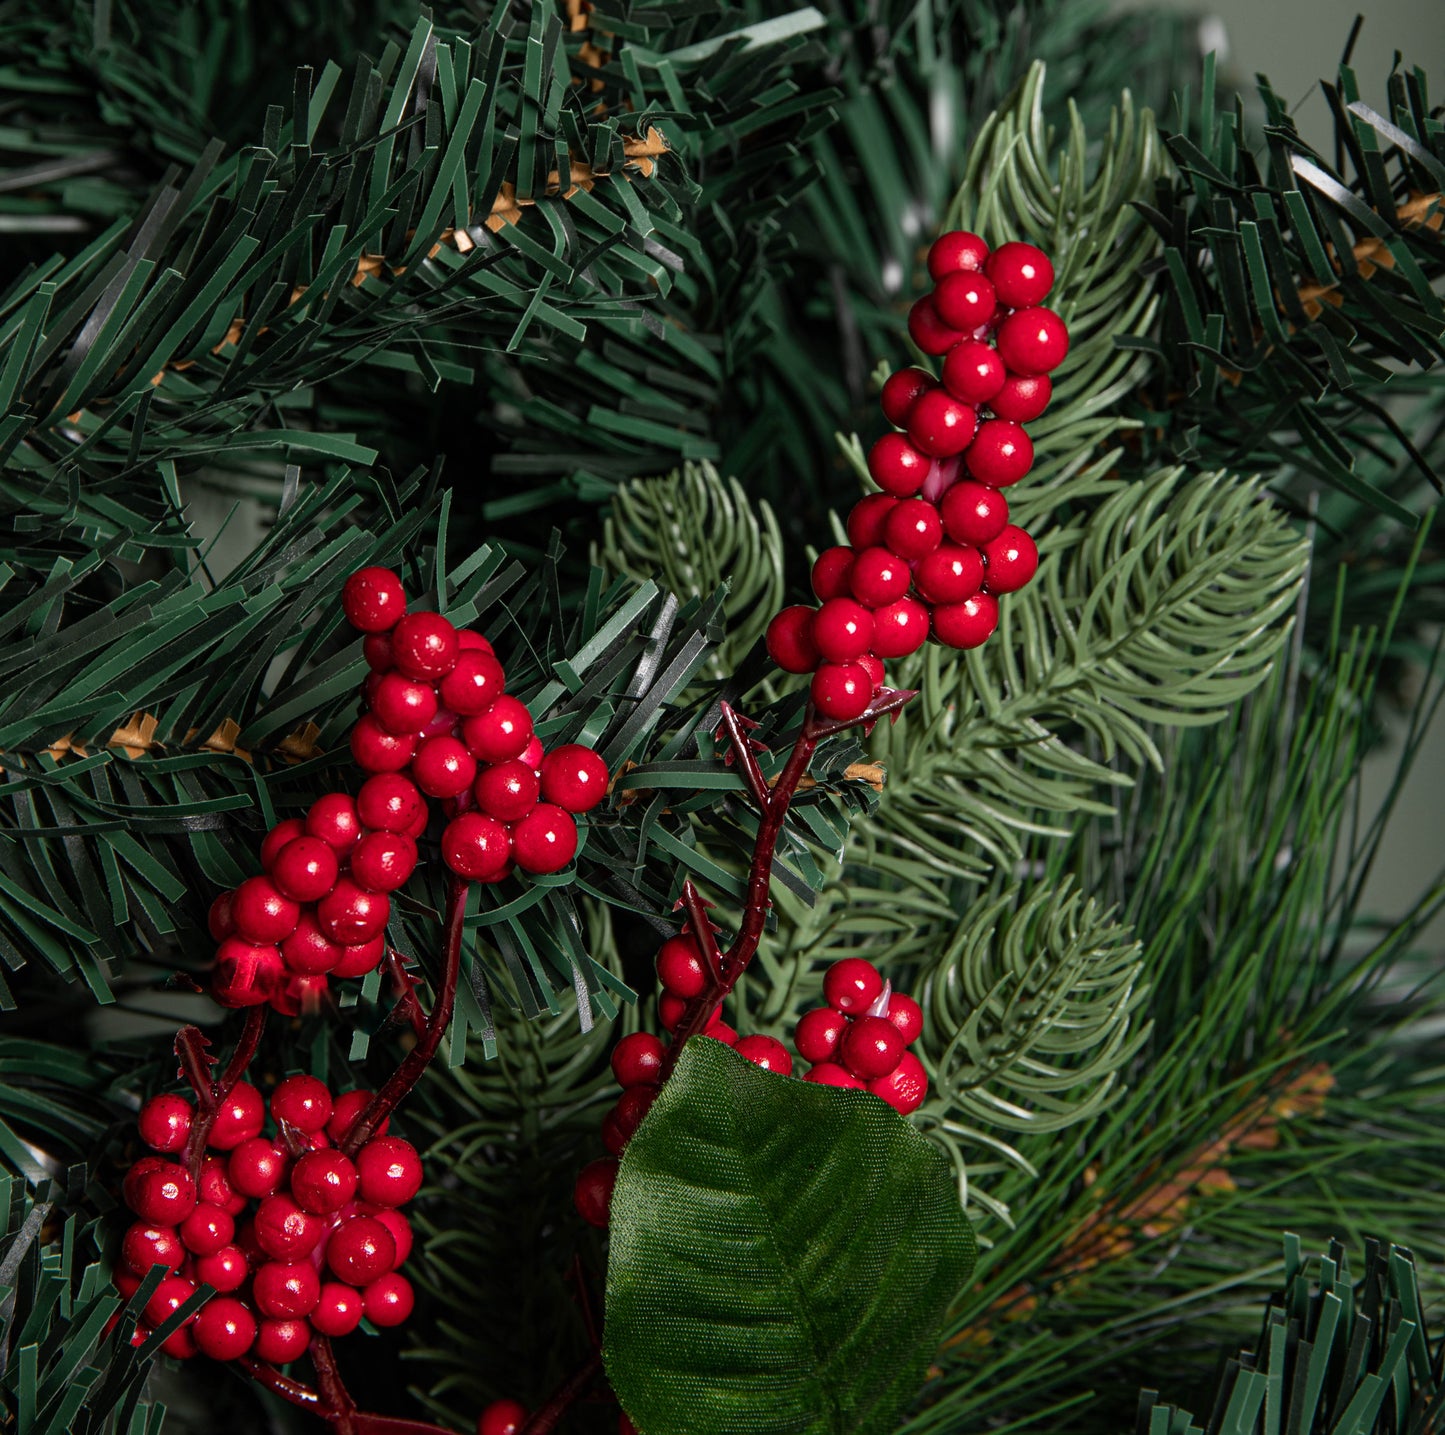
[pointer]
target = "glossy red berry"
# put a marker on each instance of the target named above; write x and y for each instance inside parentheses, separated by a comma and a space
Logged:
(842, 629)
(160, 1192)
(969, 624)
(397, 1224)
(1021, 273)
(401, 704)
(949, 574)
(360, 1249)
(257, 1167)
(680, 967)
(499, 733)
(376, 649)
(207, 1229)
(880, 576)
(373, 600)
(1012, 558)
(927, 329)
(164, 1122)
(301, 994)
(219, 922)
(874, 668)
(503, 1417)
(900, 391)
(842, 690)
(373, 749)
(333, 818)
(383, 861)
(474, 684)
(168, 1297)
(305, 870)
(477, 847)
(545, 840)
(279, 1342)
(349, 1106)
(973, 372)
(954, 250)
(146, 1244)
(1032, 341)
(897, 467)
(323, 1181)
(389, 1171)
(818, 1033)
(619, 1125)
(900, 628)
(246, 973)
(574, 777)
(424, 645)
(238, 1118)
(829, 1073)
(338, 1309)
(388, 1300)
(1023, 397)
(284, 1290)
(349, 914)
(593, 1192)
(262, 913)
(906, 1015)
(965, 300)
(905, 1087)
(852, 985)
(443, 767)
(277, 838)
(789, 640)
(389, 802)
(940, 425)
(1001, 453)
(973, 513)
(721, 1031)
(507, 791)
(637, 1060)
(284, 1231)
(913, 529)
(767, 1053)
(226, 1269)
(872, 1047)
(831, 571)
(360, 958)
(865, 522)
(224, 1328)
(303, 1102)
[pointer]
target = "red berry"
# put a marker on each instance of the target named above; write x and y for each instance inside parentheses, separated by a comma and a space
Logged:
(721, 1031)
(388, 1300)
(399, 1227)
(257, 1167)
(865, 522)
(145, 1245)
(168, 1297)
(302, 993)
(900, 391)
(1032, 341)
(670, 1011)
(360, 958)
(334, 820)
(900, 628)
(831, 570)
(309, 950)
(637, 1060)
(376, 649)
(160, 1192)
(284, 1290)
(279, 1342)
(388, 1170)
(879, 575)
(913, 529)
(763, 1051)
(219, 922)
(507, 791)
(973, 372)
(284, 1231)
(852, 985)
(789, 640)
(973, 513)
(897, 467)
(956, 249)
(1021, 274)
(829, 1073)
(574, 777)
(383, 861)
(207, 1229)
(360, 1249)
(949, 574)
(964, 300)
(278, 837)
(226, 1269)
(503, 1417)
(263, 914)
(373, 749)
(622, 1121)
(904, 1087)
(593, 1191)
(533, 754)
(323, 1181)
(303, 1102)
(238, 1118)
(545, 840)
(389, 802)
(500, 733)
(350, 1105)
(373, 600)
(818, 1033)
(469, 638)
(338, 1309)
(443, 767)
(872, 1046)
(349, 914)
(224, 1328)
(474, 684)
(874, 668)
(941, 425)
(842, 629)
(1012, 558)
(927, 329)
(969, 624)
(165, 1122)
(214, 1187)
(1023, 397)
(906, 1015)
(842, 690)
(305, 869)
(401, 704)
(424, 645)
(680, 967)
(1001, 453)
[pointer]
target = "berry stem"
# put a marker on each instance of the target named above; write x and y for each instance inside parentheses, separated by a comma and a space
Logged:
(703, 931)
(416, 1061)
(743, 747)
(545, 1418)
(407, 1008)
(191, 1044)
(282, 1385)
(340, 1407)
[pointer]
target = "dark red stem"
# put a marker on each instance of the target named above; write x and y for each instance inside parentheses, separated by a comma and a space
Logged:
(545, 1418)
(743, 748)
(340, 1407)
(703, 931)
(282, 1385)
(407, 1009)
(191, 1046)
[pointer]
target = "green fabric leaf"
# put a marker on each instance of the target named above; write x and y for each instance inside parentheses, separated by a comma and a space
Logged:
(782, 1256)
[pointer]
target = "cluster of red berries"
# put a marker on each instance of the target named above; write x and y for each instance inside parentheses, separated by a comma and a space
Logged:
(932, 551)
(438, 724)
(320, 1250)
